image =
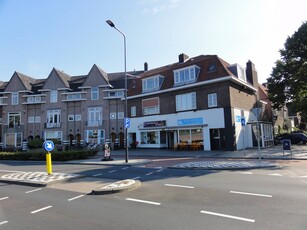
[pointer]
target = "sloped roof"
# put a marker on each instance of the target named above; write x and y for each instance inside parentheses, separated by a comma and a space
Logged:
(26, 80)
(65, 77)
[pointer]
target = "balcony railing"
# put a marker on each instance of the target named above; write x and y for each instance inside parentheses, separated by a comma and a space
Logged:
(13, 128)
(94, 123)
(52, 125)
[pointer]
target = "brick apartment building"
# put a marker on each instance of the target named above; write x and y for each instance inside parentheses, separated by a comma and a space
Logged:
(199, 100)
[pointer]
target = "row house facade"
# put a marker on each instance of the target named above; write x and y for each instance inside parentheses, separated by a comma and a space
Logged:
(75, 110)
(201, 100)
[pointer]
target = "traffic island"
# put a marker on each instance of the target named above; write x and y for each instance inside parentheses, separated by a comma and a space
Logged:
(119, 186)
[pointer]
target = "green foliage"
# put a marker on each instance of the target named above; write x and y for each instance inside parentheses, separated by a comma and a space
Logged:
(40, 155)
(288, 81)
(36, 143)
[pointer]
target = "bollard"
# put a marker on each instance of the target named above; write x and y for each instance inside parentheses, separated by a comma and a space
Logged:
(48, 163)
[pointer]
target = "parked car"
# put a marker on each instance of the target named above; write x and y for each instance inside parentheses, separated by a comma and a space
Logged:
(295, 138)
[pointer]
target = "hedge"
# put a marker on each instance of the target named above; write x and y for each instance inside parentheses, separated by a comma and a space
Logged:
(41, 155)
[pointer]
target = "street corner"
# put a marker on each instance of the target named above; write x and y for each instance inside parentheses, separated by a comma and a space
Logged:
(225, 165)
(37, 179)
(119, 186)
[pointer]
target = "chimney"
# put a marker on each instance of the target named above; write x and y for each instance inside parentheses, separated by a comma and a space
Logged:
(251, 74)
(145, 66)
(183, 57)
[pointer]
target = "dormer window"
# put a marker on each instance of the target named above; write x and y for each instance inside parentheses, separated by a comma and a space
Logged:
(152, 83)
(186, 75)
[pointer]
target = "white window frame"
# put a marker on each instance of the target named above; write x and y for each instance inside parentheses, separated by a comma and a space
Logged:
(71, 117)
(53, 118)
(151, 109)
(186, 101)
(133, 111)
(53, 96)
(186, 75)
(78, 117)
(37, 119)
(212, 100)
(151, 83)
(94, 93)
(15, 98)
(120, 115)
(16, 119)
(112, 116)
(31, 120)
(94, 116)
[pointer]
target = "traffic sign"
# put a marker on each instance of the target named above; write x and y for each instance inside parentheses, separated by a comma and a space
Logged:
(48, 145)
(127, 122)
(243, 122)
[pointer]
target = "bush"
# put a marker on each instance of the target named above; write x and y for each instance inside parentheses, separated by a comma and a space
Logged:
(36, 143)
(41, 155)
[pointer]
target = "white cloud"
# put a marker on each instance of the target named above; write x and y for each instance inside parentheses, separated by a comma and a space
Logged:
(157, 6)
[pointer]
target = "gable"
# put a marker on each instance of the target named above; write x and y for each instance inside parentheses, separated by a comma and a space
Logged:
(56, 80)
(96, 77)
(19, 82)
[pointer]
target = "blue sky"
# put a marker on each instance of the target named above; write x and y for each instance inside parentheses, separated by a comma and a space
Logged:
(72, 35)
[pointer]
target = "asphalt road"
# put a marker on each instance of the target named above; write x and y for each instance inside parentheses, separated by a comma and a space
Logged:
(167, 199)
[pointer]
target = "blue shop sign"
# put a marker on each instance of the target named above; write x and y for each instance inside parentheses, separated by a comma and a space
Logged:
(190, 121)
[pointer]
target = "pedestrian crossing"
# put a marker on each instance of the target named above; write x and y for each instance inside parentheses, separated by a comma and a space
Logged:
(283, 173)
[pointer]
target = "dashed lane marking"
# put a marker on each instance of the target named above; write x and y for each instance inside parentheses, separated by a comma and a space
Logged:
(125, 168)
(41, 209)
(143, 201)
(4, 198)
(136, 178)
(178, 186)
(148, 174)
(250, 194)
(98, 174)
(34, 190)
(248, 173)
(304, 176)
(275, 174)
(3, 222)
(74, 198)
(112, 171)
(228, 216)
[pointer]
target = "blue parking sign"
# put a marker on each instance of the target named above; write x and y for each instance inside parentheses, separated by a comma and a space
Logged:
(127, 122)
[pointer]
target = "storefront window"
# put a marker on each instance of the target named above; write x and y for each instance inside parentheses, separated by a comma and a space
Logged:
(190, 135)
(150, 137)
(184, 135)
(196, 135)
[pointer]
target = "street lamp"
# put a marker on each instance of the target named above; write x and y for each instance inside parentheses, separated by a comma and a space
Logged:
(110, 23)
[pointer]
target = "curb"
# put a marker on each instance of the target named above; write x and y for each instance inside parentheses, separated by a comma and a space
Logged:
(119, 186)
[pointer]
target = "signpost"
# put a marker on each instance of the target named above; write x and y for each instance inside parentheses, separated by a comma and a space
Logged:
(243, 123)
(49, 146)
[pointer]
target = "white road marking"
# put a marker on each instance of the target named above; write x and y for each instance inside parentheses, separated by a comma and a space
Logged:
(3, 222)
(125, 168)
(98, 174)
(76, 197)
(303, 176)
(250, 194)
(246, 173)
(143, 201)
(158, 167)
(148, 174)
(179, 186)
(112, 171)
(4, 198)
(275, 174)
(41, 209)
(135, 178)
(34, 190)
(227, 216)
(11, 171)
(160, 170)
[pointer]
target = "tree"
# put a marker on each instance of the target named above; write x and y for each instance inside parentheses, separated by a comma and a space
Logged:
(288, 81)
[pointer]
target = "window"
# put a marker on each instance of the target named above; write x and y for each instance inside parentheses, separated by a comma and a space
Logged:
(78, 117)
(37, 119)
(71, 117)
(74, 96)
(150, 137)
(53, 96)
(211, 68)
(95, 93)
(120, 115)
(116, 94)
(152, 83)
(14, 120)
(94, 116)
(212, 100)
(186, 101)
(34, 99)
(112, 115)
(133, 111)
(30, 120)
(53, 135)
(151, 106)
(186, 75)
(14, 98)
(53, 118)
